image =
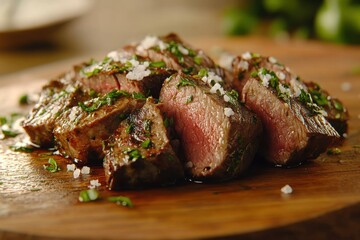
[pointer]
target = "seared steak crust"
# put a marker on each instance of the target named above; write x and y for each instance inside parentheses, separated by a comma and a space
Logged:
(57, 96)
(219, 138)
(295, 128)
(139, 154)
(81, 130)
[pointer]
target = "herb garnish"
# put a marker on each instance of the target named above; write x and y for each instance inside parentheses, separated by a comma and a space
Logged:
(333, 151)
(24, 99)
(88, 195)
(108, 99)
(7, 126)
(133, 154)
(189, 99)
(52, 166)
(168, 122)
(159, 64)
(185, 82)
(18, 148)
(146, 144)
(198, 59)
(121, 200)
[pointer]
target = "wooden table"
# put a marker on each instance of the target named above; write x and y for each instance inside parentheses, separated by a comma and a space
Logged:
(325, 204)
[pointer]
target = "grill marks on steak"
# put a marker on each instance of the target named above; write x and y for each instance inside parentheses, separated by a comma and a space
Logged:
(80, 131)
(295, 128)
(215, 146)
(139, 153)
(176, 54)
(57, 96)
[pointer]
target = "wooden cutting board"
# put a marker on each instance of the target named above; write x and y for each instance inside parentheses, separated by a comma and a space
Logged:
(37, 204)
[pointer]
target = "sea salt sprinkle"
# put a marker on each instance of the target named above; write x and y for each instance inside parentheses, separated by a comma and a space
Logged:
(228, 112)
(94, 184)
(287, 189)
(85, 170)
(76, 173)
(226, 60)
(138, 70)
(243, 65)
(149, 42)
(70, 167)
(272, 60)
(246, 56)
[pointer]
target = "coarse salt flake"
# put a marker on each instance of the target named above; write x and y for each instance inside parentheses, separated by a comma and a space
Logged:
(85, 170)
(281, 75)
(183, 50)
(287, 189)
(246, 56)
(76, 173)
(139, 71)
(226, 61)
(214, 88)
(226, 98)
(94, 184)
(228, 112)
(243, 65)
(70, 167)
(272, 60)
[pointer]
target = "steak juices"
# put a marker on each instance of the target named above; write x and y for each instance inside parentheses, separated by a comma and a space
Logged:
(160, 111)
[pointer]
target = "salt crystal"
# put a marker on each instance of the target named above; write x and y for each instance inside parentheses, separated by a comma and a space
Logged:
(246, 56)
(70, 167)
(76, 173)
(272, 60)
(94, 184)
(287, 189)
(228, 112)
(85, 170)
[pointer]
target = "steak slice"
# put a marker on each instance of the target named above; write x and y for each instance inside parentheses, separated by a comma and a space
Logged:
(122, 70)
(81, 130)
(57, 96)
(176, 54)
(219, 137)
(337, 114)
(295, 128)
(139, 154)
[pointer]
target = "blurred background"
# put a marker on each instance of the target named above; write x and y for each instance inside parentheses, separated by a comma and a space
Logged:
(35, 32)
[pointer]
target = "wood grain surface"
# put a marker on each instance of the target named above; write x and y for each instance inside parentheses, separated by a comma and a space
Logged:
(325, 204)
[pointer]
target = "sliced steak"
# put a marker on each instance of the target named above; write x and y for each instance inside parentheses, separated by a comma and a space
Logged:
(122, 70)
(337, 114)
(295, 128)
(55, 97)
(176, 54)
(139, 154)
(219, 137)
(81, 130)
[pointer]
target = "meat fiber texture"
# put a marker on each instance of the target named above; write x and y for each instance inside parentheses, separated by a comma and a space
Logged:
(58, 95)
(219, 138)
(295, 127)
(139, 153)
(81, 130)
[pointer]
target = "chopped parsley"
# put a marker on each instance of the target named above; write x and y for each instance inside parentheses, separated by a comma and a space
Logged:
(337, 105)
(189, 99)
(318, 97)
(333, 151)
(146, 144)
(188, 70)
(122, 201)
(138, 95)
(185, 82)
(254, 74)
(19, 148)
(52, 166)
(159, 64)
(198, 59)
(107, 99)
(129, 128)
(203, 72)
(24, 99)
(147, 125)
(233, 96)
(7, 126)
(89, 195)
(133, 154)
